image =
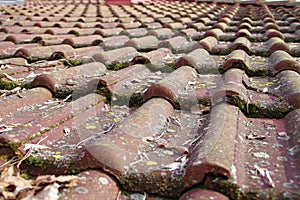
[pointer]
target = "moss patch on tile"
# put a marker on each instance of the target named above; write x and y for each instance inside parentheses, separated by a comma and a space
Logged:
(256, 111)
(117, 66)
(72, 62)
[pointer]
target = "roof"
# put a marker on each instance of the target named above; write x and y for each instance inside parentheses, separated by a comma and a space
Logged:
(156, 100)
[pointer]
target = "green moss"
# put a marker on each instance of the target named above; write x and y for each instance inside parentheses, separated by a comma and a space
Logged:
(36, 162)
(170, 185)
(104, 91)
(33, 59)
(72, 62)
(204, 102)
(117, 66)
(237, 101)
(8, 85)
(256, 111)
(136, 100)
(249, 70)
(26, 176)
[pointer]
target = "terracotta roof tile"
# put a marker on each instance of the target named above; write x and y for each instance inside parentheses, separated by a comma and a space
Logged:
(179, 44)
(119, 56)
(145, 43)
(83, 40)
(63, 83)
(88, 188)
(200, 59)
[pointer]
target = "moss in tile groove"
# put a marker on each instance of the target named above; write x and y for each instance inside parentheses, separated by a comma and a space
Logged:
(72, 62)
(117, 66)
(249, 71)
(254, 110)
(168, 185)
(228, 188)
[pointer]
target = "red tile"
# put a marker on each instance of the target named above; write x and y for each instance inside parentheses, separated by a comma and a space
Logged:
(243, 33)
(240, 43)
(134, 33)
(162, 34)
(92, 185)
(109, 32)
(237, 58)
(143, 43)
(84, 41)
(29, 97)
(64, 82)
(45, 52)
(9, 50)
(201, 60)
(275, 43)
(122, 55)
(287, 83)
(170, 87)
(115, 42)
(281, 60)
(179, 44)
(118, 76)
(208, 43)
(159, 58)
(130, 25)
(201, 194)
(274, 33)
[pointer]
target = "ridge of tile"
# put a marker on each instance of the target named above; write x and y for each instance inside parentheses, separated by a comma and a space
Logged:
(169, 87)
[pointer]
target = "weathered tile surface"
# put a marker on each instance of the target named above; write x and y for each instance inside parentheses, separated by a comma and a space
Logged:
(154, 99)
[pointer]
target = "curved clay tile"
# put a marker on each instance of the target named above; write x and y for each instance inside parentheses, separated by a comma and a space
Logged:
(274, 33)
(208, 43)
(179, 44)
(143, 43)
(230, 85)
(216, 32)
(243, 33)
(135, 33)
(91, 40)
(118, 56)
(71, 78)
(287, 83)
(169, 87)
(201, 60)
(281, 60)
(162, 33)
(240, 43)
(158, 58)
(237, 59)
(275, 43)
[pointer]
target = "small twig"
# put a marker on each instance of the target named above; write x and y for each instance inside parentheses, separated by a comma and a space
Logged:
(67, 98)
(11, 161)
(118, 196)
(111, 126)
(9, 77)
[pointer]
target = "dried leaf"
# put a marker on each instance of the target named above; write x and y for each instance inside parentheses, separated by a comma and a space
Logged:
(255, 137)
(172, 166)
(50, 192)
(261, 155)
(68, 180)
